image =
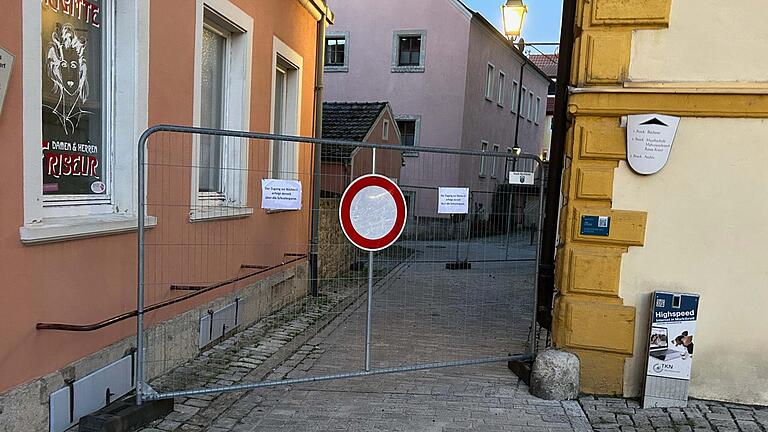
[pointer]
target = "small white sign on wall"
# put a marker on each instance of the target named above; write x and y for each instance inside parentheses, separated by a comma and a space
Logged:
(453, 200)
(6, 64)
(649, 141)
(278, 194)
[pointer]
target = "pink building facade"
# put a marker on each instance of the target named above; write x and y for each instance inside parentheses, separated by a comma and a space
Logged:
(453, 81)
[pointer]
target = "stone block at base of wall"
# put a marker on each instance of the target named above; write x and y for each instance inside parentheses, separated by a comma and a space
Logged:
(169, 343)
(555, 375)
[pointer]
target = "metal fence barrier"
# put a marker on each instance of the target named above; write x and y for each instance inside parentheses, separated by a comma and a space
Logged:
(454, 290)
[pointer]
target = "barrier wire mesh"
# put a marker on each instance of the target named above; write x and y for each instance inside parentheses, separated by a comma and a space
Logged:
(224, 280)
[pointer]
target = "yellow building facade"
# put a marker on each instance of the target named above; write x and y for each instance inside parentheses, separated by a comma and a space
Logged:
(696, 226)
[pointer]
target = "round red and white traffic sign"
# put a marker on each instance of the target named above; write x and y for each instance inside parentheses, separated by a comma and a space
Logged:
(372, 212)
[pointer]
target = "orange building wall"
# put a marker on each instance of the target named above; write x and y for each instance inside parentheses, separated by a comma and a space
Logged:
(84, 281)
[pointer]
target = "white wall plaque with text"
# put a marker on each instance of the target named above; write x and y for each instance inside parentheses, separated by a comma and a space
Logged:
(521, 177)
(649, 141)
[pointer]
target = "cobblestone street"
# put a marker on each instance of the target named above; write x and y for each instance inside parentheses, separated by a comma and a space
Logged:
(616, 414)
(422, 313)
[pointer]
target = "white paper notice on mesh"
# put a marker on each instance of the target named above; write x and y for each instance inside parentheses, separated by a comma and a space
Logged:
(373, 212)
(453, 200)
(278, 194)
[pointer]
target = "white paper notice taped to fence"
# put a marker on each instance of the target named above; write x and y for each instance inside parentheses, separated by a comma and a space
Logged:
(277, 194)
(453, 200)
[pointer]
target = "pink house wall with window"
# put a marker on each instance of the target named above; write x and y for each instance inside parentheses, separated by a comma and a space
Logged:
(429, 59)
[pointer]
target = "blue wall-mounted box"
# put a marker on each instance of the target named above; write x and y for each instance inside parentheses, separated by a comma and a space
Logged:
(596, 225)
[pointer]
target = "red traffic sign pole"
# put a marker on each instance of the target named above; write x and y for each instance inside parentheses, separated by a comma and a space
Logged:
(372, 212)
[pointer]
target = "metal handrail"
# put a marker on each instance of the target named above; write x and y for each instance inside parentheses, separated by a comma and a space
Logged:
(117, 318)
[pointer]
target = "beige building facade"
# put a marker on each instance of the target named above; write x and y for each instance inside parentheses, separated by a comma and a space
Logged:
(696, 225)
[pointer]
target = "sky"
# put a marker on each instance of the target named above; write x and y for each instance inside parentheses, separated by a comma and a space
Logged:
(542, 23)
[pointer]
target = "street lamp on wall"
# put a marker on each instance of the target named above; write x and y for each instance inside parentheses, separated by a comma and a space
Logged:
(513, 14)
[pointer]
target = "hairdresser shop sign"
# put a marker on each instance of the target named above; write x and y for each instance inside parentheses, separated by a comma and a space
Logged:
(672, 336)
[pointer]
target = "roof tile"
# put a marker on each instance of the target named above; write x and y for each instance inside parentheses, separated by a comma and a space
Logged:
(348, 121)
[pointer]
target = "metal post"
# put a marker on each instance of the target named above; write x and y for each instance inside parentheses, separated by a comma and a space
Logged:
(140, 275)
(314, 273)
(368, 314)
(532, 342)
(509, 218)
(518, 114)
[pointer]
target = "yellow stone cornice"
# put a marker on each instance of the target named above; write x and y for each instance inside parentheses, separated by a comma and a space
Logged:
(678, 102)
(635, 13)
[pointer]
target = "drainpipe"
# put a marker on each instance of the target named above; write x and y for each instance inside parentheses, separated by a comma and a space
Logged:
(316, 175)
(556, 163)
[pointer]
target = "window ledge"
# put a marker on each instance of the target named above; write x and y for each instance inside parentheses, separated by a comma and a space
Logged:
(336, 68)
(218, 213)
(70, 228)
(410, 154)
(408, 69)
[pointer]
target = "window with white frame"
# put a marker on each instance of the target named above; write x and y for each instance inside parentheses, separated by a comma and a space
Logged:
(337, 52)
(385, 130)
(524, 98)
(221, 102)
(77, 58)
(537, 110)
(284, 112)
(502, 82)
(213, 85)
(515, 90)
(494, 161)
(408, 50)
(483, 148)
(489, 76)
(530, 106)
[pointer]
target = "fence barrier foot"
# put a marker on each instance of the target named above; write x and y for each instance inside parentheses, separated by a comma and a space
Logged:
(521, 368)
(458, 265)
(124, 415)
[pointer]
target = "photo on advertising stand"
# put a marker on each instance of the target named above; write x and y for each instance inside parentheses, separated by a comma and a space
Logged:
(73, 156)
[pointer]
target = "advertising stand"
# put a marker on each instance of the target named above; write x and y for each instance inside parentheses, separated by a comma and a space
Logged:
(670, 349)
